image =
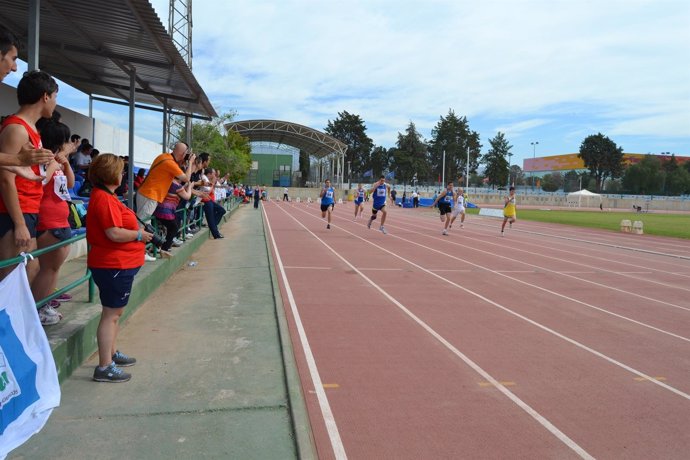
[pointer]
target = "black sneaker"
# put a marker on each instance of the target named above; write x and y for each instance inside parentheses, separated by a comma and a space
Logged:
(112, 373)
(328, 226)
(123, 360)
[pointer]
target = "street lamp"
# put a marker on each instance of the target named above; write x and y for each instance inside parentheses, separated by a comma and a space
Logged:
(510, 155)
(534, 155)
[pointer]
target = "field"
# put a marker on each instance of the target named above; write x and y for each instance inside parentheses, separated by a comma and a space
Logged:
(674, 225)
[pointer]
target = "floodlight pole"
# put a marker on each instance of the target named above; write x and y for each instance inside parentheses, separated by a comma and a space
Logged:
(534, 156)
(467, 169)
(443, 174)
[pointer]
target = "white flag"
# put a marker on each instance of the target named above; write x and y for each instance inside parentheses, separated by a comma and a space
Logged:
(29, 388)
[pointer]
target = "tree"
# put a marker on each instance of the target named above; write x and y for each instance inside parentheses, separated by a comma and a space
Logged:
(453, 135)
(380, 161)
(350, 129)
(410, 155)
(517, 175)
(495, 160)
(571, 181)
(645, 177)
(678, 182)
(552, 182)
(602, 157)
(230, 152)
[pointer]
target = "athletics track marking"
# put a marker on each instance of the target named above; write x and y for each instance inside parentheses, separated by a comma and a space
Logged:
(498, 385)
(506, 309)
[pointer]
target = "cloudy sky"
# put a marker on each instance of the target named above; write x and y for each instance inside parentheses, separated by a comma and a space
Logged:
(548, 71)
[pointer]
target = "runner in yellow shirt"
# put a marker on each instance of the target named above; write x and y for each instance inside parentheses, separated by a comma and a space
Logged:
(509, 211)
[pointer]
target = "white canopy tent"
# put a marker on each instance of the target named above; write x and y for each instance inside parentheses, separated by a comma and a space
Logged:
(576, 197)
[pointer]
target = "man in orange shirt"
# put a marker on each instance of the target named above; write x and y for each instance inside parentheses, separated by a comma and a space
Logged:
(163, 170)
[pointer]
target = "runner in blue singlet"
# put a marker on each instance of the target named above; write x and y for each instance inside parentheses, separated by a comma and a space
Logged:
(445, 205)
(380, 191)
(327, 201)
(359, 200)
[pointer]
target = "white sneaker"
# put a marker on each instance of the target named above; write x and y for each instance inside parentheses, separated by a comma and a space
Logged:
(48, 315)
(383, 229)
(148, 258)
(502, 234)
(462, 225)
(177, 242)
(445, 232)
(369, 223)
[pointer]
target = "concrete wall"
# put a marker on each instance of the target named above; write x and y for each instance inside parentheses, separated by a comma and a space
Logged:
(107, 139)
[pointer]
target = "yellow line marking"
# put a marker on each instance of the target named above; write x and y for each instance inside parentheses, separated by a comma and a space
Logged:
(331, 385)
(489, 384)
(642, 379)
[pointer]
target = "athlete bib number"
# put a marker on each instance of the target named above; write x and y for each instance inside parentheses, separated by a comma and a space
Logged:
(60, 187)
(380, 192)
(329, 194)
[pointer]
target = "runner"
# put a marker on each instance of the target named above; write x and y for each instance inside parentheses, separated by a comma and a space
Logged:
(459, 209)
(380, 190)
(509, 211)
(327, 201)
(359, 201)
(445, 206)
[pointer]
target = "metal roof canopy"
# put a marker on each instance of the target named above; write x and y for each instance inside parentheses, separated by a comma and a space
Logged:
(307, 139)
(313, 142)
(94, 46)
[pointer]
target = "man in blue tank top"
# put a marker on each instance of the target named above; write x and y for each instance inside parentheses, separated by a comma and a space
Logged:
(445, 205)
(327, 201)
(359, 200)
(379, 191)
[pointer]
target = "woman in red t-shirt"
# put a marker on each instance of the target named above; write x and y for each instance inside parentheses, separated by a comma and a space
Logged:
(116, 255)
(53, 226)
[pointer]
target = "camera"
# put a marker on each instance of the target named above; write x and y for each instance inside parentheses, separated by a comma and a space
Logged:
(157, 240)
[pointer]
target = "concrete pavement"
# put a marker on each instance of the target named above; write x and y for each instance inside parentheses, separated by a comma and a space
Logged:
(215, 376)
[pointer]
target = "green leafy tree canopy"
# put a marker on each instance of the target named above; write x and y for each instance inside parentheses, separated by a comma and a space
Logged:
(602, 157)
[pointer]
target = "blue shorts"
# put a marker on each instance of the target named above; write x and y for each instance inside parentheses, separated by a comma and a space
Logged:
(7, 224)
(375, 208)
(60, 234)
(114, 285)
(358, 202)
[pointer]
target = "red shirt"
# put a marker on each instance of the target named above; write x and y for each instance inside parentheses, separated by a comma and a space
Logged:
(54, 211)
(29, 192)
(106, 211)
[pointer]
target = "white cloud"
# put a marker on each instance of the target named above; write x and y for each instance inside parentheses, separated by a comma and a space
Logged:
(612, 65)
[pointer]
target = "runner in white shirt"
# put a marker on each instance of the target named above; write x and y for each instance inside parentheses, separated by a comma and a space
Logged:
(459, 209)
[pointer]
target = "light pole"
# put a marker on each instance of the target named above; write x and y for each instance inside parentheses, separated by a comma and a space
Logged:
(534, 156)
(467, 169)
(349, 173)
(510, 155)
(443, 176)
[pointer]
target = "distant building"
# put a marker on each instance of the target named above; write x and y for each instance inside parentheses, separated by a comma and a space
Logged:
(538, 167)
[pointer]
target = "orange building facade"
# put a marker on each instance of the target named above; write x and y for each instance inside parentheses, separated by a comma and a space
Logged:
(570, 162)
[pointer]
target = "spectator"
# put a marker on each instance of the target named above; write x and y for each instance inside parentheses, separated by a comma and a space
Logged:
(21, 198)
(257, 196)
(53, 226)
(415, 199)
(27, 155)
(212, 210)
(116, 255)
(393, 194)
(139, 179)
(285, 194)
(165, 212)
(82, 159)
(161, 174)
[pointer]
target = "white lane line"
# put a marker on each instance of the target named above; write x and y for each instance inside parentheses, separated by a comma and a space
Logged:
(292, 267)
(326, 412)
(383, 269)
(498, 385)
(537, 267)
(531, 321)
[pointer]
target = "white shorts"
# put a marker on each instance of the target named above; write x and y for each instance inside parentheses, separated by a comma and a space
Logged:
(458, 210)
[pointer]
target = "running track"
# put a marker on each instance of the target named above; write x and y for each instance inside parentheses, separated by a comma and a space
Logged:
(553, 342)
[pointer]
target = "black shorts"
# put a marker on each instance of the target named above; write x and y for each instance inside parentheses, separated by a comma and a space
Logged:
(114, 285)
(7, 224)
(324, 207)
(374, 209)
(61, 234)
(444, 208)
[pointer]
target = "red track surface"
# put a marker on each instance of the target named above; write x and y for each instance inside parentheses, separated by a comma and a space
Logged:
(553, 342)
